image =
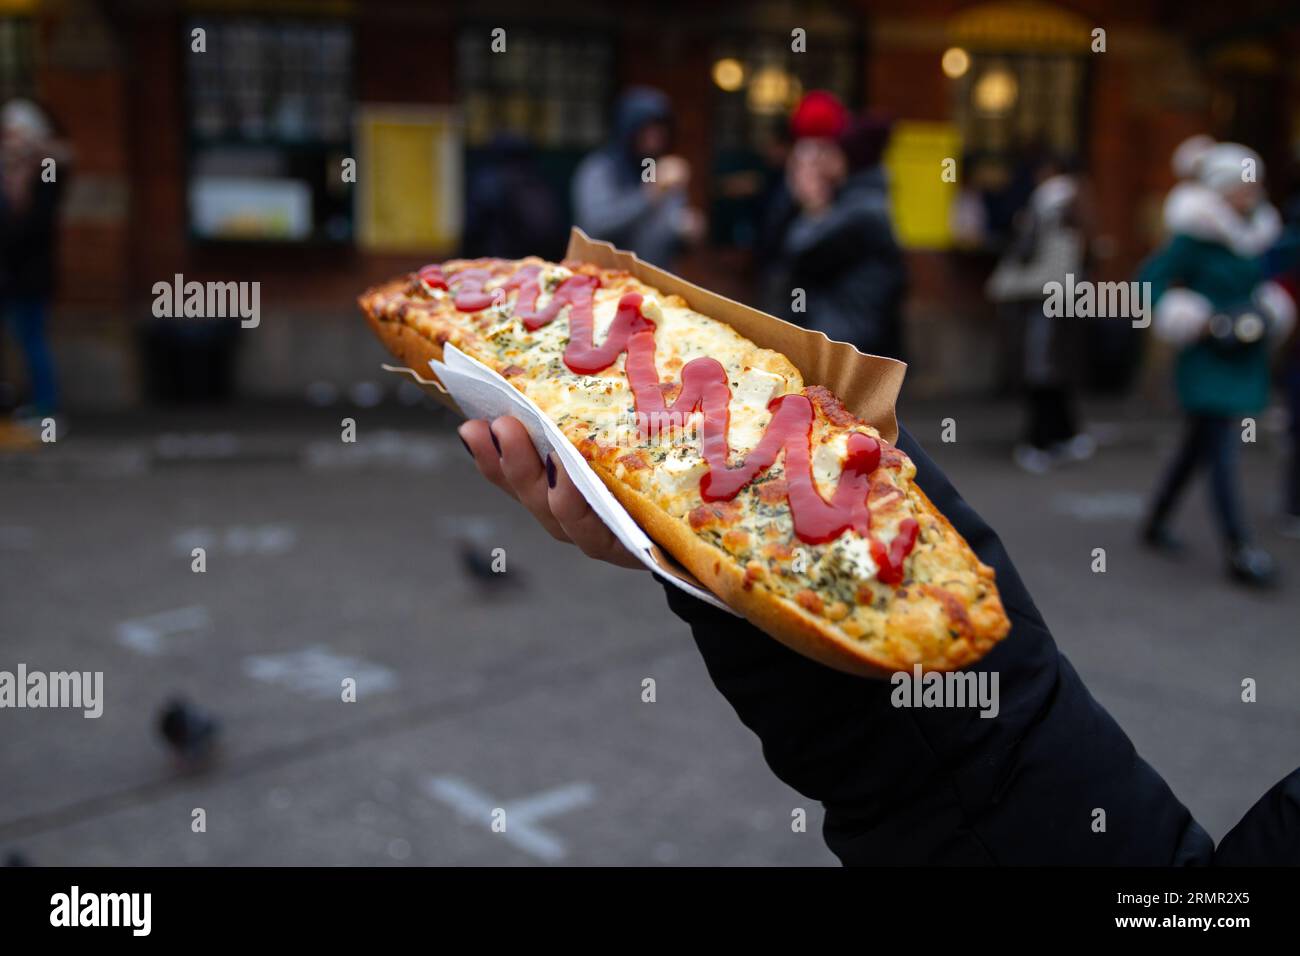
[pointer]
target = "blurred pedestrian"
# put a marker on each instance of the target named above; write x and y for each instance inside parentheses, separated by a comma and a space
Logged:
(1214, 303)
(1049, 244)
(615, 196)
(30, 191)
(746, 180)
(839, 249)
(1291, 383)
(510, 209)
(819, 116)
(1284, 264)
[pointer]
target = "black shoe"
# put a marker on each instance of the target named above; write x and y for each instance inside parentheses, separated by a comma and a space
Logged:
(1252, 566)
(1158, 537)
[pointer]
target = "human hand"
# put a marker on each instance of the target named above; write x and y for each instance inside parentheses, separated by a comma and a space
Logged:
(691, 225)
(506, 457)
(672, 173)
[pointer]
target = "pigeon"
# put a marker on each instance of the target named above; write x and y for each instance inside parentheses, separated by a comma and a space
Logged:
(477, 540)
(190, 732)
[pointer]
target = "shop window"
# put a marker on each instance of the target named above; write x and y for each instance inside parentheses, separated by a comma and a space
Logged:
(269, 125)
(552, 88)
(552, 91)
(1248, 82)
(1019, 81)
(1007, 103)
(16, 67)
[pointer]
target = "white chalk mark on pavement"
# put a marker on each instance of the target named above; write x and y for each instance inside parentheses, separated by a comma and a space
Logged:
(237, 539)
(385, 448)
(1100, 505)
(318, 672)
(145, 635)
(196, 446)
(521, 815)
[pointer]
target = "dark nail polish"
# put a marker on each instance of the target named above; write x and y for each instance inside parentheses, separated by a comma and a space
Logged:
(550, 472)
(495, 444)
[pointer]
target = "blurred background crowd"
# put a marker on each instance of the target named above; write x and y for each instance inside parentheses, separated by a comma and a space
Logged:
(228, 164)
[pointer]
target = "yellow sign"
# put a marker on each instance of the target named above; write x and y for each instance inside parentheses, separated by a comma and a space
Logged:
(923, 163)
(408, 178)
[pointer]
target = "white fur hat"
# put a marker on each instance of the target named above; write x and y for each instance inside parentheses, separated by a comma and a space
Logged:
(20, 114)
(1224, 166)
(1187, 156)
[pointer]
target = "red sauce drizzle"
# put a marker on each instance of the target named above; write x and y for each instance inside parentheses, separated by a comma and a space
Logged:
(704, 388)
(890, 560)
(468, 288)
(432, 277)
(575, 292)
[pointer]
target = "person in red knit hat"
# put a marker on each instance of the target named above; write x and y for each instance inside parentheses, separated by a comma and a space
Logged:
(814, 164)
(836, 266)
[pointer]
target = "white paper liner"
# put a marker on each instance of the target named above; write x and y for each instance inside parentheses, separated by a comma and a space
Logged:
(481, 392)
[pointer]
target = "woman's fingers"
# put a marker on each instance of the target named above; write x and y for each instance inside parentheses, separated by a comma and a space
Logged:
(504, 454)
(477, 437)
(490, 455)
(524, 473)
(582, 525)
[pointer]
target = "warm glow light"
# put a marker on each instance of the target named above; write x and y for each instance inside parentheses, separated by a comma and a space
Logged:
(996, 91)
(772, 90)
(728, 74)
(956, 62)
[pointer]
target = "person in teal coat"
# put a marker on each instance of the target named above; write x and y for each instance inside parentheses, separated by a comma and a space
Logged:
(1214, 302)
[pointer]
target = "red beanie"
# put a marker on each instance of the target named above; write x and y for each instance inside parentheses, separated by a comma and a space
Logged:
(820, 114)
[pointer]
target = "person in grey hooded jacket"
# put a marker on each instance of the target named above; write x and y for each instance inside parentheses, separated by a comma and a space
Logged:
(619, 197)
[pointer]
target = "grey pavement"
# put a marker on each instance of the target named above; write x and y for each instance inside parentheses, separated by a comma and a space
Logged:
(327, 561)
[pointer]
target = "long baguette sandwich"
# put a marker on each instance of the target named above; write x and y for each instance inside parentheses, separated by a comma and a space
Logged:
(783, 503)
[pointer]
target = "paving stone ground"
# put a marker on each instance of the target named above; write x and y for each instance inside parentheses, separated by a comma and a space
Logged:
(325, 559)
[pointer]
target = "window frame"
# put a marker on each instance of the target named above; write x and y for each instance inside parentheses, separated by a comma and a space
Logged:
(328, 151)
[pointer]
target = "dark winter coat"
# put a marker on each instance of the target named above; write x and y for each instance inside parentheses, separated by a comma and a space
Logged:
(850, 267)
(29, 243)
(510, 211)
(914, 786)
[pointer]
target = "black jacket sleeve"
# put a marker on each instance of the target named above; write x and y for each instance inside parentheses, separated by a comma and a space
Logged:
(1269, 833)
(1051, 779)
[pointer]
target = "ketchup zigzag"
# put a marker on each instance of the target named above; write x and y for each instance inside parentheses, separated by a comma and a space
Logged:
(704, 388)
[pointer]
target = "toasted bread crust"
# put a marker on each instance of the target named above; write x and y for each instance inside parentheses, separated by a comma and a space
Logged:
(410, 347)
